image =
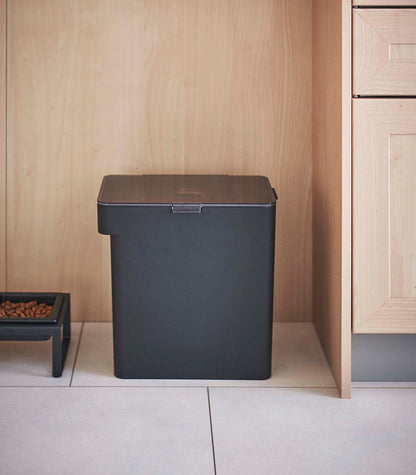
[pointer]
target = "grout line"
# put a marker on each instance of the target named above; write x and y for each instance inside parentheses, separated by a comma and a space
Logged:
(76, 353)
(212, 432)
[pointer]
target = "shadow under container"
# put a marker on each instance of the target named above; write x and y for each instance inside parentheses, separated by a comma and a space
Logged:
(192, 262)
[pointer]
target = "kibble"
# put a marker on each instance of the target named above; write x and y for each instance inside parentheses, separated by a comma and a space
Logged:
(22, 310)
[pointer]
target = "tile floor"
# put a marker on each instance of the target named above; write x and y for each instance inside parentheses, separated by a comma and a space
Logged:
(89, 422)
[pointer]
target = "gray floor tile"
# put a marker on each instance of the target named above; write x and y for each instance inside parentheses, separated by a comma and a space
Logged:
(298, 431)
(111, 431)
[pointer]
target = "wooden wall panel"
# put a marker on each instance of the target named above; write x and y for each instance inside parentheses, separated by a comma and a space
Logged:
(248, 78)
(95, 88)
(331, 184)
(3, 13)
(153, 86)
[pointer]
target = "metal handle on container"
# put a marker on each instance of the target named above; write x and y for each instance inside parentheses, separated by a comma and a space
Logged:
(186, 208)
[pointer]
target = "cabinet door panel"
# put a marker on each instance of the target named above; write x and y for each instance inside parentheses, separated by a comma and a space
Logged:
(384, 216)
(384, 52)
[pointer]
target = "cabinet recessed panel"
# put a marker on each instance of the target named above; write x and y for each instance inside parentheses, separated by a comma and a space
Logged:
(384, 52)
(403, 216)
(384, 216)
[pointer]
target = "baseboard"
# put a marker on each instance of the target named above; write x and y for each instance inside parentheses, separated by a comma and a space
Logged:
(383, 357)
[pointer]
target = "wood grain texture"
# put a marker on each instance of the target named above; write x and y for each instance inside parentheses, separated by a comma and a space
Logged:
(403, 216)
(346, 202)
(384, 51)
(331, 184)
(3, 14)
(243, 92)
(402, 52)
(382, 3)
(95, 89)
(384, 276)
(153, 86)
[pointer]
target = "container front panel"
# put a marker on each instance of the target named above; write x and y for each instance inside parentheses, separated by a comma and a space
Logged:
(193, 293)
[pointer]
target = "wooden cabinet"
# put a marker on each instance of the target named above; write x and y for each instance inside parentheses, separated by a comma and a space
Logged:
(364, 172)
(384, 215)
(384, 51)
(384, 167)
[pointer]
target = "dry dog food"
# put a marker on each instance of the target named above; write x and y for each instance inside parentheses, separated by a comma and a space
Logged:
(31, 309)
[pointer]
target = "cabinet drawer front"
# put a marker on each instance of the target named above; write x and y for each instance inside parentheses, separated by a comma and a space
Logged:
(384, 216)
(384, 52)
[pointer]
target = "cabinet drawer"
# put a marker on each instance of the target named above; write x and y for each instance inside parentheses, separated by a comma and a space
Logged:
(384, 51)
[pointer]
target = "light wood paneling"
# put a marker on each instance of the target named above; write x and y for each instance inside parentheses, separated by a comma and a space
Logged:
(3, 13)
(384, 50)
(384, 216)
(331, 184)
(95, 88)
(244, 96)
(155, 86)
(381, 3)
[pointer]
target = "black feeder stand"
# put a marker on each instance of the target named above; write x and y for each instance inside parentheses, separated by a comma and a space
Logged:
(57, 325)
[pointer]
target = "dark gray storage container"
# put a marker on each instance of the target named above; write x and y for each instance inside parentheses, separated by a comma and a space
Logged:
(192, 274)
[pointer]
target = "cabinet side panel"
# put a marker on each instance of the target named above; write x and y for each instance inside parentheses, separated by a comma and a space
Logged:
(330, 181)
